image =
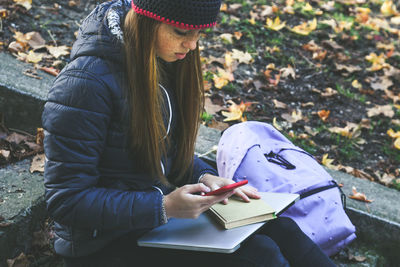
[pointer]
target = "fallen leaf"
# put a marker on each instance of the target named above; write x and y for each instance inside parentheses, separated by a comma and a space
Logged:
(397, 143)
(242, 57)
(20, 261)
(25, 3)
(276, 125)
(210, 107)
(357, 258)
(348, 68)
(289, 71)
(235, 111)
(37, 164)
(50, 70)
(329, 92)
(378, 62)
(305, 28)
(294, 117)
(359, 196)
(227, 37)
(219, 125)
(324, 114)
(279, 104)
(39, 136)
(33, 57)
(328, 162)
(5, 153)
(386, 110)
(58, 51)
(35, 40)
(275, 24)
(393, 134)
(381, 83)
(388, 8)
(16, 138)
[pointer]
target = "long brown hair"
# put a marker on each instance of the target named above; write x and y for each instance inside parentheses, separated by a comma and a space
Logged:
(145, 98)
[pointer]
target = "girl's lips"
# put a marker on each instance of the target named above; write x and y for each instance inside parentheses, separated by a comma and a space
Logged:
(180, 55)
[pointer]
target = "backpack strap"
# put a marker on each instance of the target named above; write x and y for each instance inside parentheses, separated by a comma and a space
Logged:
(323, 188)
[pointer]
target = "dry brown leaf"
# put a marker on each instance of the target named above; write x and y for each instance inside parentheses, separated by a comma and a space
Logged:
(218, 125)
(359, 196)
(37, 164)
(35, 40)
(324, 114)
(53, 71)
(20, 261)
(279, 104)
(210, 107)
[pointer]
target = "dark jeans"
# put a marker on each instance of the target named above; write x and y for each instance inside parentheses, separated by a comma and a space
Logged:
(279, 242)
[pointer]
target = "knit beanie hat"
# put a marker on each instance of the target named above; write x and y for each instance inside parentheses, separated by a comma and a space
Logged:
(185, 14)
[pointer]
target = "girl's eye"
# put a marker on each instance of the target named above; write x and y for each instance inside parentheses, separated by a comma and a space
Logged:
(178, 32)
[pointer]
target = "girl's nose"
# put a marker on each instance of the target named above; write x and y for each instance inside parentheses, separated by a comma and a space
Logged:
(191, 43)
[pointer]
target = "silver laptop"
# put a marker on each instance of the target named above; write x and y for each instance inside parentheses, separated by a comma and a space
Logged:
(205, 234)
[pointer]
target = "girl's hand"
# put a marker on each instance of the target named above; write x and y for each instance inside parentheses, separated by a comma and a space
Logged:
(186, 202)
(244, 192)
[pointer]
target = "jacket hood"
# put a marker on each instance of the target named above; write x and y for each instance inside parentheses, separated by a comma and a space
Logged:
(100, 34)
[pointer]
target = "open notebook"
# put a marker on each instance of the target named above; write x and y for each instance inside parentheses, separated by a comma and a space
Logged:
(205, 234)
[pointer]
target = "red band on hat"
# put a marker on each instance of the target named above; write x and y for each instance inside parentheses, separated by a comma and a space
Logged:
(171, 22)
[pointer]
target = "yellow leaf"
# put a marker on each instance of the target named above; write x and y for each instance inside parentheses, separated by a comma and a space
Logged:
(275, 25)
(25, 3)
(34, 57)
(307, 7)
(276, 125)
(235, 111)
(388, 8)
(395, 20)
(220, 82)
(393, 134)
(378, 62)
(305, 28)
(397, 143)
(356, 84)
(327, 162)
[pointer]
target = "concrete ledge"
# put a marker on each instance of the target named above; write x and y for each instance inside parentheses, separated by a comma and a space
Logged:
(22, 206)
(21, 101)
(19, 90)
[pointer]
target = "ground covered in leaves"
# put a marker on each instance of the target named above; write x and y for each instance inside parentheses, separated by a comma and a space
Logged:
(325, 73)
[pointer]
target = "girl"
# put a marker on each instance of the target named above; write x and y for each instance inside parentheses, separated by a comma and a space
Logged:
(120, 126)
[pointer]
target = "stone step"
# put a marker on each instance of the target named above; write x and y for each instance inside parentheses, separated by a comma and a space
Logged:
(21, 193)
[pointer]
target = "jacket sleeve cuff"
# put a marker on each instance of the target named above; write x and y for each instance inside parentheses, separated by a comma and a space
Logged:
(200, 168)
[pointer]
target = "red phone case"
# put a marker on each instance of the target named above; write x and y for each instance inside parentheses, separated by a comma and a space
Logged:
(226, 188)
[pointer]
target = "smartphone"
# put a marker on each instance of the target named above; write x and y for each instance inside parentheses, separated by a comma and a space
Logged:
(226, 188)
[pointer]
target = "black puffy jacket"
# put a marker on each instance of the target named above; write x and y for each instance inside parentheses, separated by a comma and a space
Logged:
(95, 191)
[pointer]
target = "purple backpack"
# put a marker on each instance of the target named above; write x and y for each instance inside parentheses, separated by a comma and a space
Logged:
(258, 152)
